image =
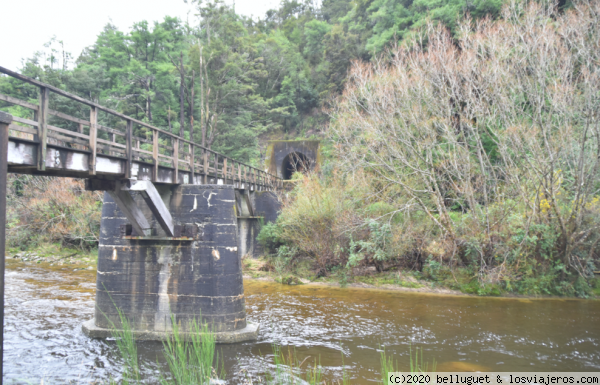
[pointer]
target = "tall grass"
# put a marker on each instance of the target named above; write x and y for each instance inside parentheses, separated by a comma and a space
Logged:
(288, 369)
(125, 341)
(416, 364)
(190, 361)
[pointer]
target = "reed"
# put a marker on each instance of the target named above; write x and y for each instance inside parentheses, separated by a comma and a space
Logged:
(416, 364)
(190, 362)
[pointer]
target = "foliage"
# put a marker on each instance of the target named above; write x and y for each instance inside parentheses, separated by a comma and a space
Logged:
(47, 209)
(315, 221)
(493, 139)
(269, 237)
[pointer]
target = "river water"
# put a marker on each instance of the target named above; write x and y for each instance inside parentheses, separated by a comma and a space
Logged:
(45, 307)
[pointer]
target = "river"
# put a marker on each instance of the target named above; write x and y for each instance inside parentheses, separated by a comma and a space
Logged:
(45, 306)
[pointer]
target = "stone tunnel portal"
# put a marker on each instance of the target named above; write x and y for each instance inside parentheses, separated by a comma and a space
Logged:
(294, 162)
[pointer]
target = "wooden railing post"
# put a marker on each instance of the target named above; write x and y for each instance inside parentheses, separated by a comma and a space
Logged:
(192, 161)
(155, 155)
(93, 137)
(239, 175)
(128, 149)
(224, 170)
(175, 143)
(43, 127)
(205, 168)
(216, 168)
(233, 172)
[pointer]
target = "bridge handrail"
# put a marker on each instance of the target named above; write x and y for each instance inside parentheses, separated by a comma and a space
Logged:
(268, 179)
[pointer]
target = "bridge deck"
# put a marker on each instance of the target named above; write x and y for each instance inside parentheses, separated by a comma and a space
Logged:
(81, 147)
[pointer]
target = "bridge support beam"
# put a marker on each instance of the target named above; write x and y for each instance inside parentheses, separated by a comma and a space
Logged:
(131, 210)
(154, 202)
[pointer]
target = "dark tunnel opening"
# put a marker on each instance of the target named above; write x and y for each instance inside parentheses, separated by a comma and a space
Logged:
(294, 162)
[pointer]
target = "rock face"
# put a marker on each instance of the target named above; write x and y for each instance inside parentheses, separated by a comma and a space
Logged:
(150, 280)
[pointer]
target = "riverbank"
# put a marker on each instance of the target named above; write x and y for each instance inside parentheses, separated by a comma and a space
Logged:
(55, 255)
(261, 269)
(458, 283)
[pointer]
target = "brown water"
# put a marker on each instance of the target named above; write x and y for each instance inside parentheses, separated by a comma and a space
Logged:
(45, 307)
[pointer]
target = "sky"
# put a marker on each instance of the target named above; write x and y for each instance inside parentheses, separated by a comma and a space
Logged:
(29, 24)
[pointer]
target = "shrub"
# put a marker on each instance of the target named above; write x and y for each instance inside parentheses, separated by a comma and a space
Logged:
(47, 209)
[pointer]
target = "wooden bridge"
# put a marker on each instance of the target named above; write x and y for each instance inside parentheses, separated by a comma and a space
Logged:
(99, 145)
(82, 147)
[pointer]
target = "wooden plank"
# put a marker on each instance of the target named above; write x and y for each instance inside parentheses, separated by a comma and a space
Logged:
(240, 173)
(92, 138)
(175, 143)
(69, 117)
(118, 151)
(42, 127)
(25, 121)
(27, 130)
(128, 149)
(72, 133)
(119, 145)
(18, 102)
(155, 155)
(143, 151)
(170, 158)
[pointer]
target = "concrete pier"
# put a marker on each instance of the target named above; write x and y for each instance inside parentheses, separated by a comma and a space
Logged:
(195, 275)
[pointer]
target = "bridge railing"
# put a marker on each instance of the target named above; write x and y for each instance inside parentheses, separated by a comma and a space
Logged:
(83, 133)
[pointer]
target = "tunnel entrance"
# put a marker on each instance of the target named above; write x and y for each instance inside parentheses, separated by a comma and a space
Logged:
(294, 162)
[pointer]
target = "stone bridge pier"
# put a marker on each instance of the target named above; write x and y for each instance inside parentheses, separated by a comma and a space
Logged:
(185, 263)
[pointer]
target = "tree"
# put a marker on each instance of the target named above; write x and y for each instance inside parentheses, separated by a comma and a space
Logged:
(496, 138)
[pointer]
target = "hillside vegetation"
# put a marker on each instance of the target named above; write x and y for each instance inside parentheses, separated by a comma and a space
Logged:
(471, 159)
